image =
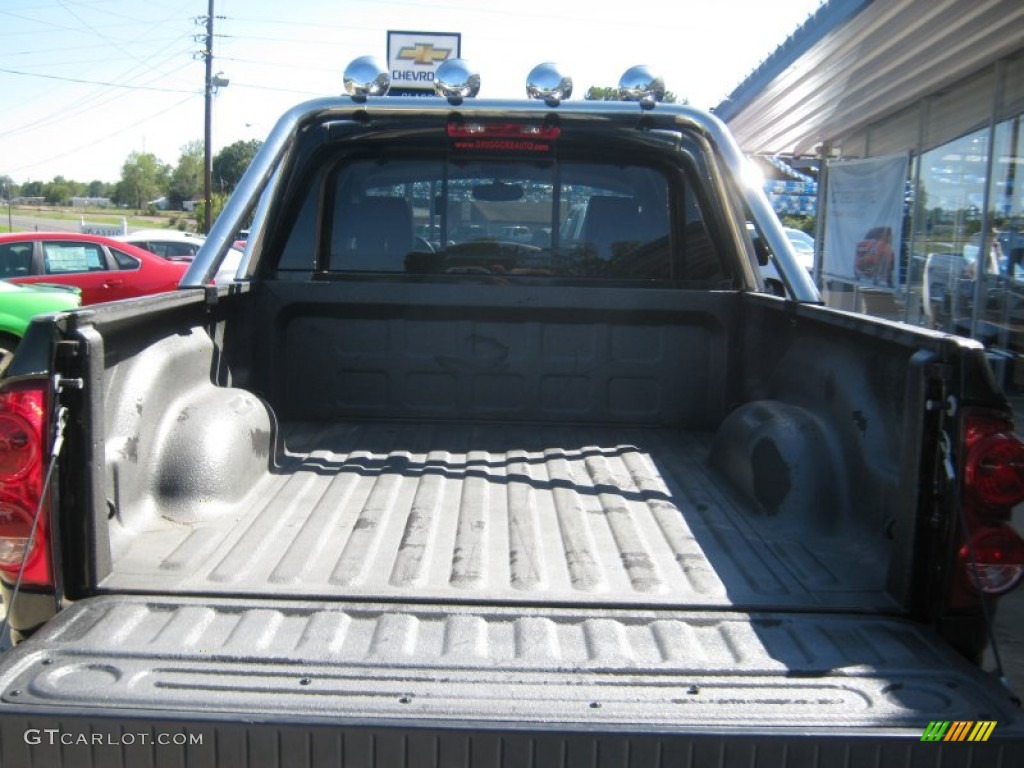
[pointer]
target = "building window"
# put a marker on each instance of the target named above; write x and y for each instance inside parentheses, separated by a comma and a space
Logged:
(967, 153)
(950, 198)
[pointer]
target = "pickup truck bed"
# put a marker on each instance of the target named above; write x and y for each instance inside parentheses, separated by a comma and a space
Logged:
(332, 462)
(503, 512)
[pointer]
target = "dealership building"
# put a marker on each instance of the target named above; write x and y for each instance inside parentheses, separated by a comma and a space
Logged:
(940, 85)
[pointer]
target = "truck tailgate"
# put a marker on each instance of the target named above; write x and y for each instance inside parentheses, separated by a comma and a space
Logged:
(566, 685)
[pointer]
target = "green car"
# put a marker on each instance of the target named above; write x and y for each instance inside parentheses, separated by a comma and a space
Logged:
(20, 303)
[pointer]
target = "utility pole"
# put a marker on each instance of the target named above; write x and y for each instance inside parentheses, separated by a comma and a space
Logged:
(208, 126)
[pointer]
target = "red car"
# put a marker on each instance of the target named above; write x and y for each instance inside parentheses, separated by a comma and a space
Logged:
(104, 269)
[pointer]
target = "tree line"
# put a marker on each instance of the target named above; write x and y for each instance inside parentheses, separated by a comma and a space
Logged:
(146, 179)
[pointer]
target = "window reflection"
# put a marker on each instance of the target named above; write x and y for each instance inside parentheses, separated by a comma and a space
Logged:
(1007, 215)
(948, 225)
(958, 266)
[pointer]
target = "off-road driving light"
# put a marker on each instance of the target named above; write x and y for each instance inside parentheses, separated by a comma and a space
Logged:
(994, 470)
(993, 560)
(639, 83)
(547, 82)
(366, 76)
(456, 80)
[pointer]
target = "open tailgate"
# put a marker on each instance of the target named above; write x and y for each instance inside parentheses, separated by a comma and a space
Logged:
(142, 680)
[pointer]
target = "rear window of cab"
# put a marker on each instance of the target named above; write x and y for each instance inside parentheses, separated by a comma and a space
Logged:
(550, 219)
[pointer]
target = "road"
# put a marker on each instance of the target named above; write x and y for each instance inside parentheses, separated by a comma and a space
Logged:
(25, 221)
(21, 222)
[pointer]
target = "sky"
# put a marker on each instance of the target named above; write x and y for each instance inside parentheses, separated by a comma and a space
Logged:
(84, 83)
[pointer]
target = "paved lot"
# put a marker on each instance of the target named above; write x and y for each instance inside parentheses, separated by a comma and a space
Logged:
(36, 224)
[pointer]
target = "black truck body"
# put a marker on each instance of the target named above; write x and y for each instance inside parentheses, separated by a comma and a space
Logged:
(489, 502)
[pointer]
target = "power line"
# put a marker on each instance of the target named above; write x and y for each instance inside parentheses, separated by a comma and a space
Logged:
(96, 99)
(127, 81)
(117, 48)
(79, 62)
(52, 25)
(144, 62)
(95, 82)
(277, 65)
(107, 136)
(36, 6)
(92, 46)
(152, 63)
(279, 39)
(495, 11)
(85, 103)
(236, 84)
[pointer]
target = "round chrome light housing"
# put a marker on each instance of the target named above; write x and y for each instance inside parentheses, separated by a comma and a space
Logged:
(547, 82)
(641, 84)
(456, 80)
(366, 76)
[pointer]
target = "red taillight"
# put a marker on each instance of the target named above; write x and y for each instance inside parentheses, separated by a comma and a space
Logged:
(22, 473)
(992, 561)
(994, 469)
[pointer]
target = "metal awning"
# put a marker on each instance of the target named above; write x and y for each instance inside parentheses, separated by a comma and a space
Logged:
(856, 61)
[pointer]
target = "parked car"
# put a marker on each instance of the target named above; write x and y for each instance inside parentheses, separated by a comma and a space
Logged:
(182, 247)
(170, 244)
(948, 284)
(20, 303)
(804, 256)
(103, 268)
(803, 246)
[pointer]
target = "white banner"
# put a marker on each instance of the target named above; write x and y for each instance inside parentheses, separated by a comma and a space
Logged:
(864, 219)
(107, 230)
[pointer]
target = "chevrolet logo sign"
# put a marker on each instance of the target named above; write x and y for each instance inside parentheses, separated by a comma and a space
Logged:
(423, 53)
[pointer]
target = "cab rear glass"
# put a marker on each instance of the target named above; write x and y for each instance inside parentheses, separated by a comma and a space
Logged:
(552, 219)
